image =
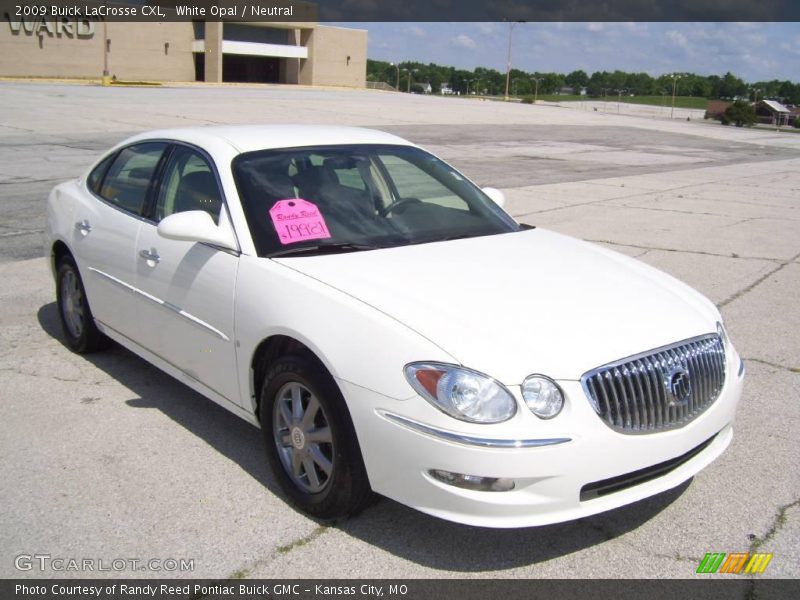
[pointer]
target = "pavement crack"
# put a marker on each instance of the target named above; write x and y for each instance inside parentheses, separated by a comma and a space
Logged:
(700, 252)
(757, 282)
(774, 365)
(778, 521)
(281, 550)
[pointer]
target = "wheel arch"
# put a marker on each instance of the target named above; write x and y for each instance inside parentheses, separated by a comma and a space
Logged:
(58, 250)
(271, 349)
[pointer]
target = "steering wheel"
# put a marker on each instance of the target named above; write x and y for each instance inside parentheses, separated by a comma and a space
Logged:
(397, 204)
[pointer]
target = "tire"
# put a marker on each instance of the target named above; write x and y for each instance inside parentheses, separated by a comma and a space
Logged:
(77, 322)
(310, 440)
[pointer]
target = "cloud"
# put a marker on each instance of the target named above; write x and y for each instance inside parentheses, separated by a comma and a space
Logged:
(462, 41)
(416, 31)
(595, 27)
(677, 38)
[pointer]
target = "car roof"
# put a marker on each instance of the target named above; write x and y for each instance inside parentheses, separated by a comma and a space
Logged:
(247, 138)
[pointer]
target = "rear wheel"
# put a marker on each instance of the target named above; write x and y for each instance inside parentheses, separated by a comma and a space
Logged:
(310, 439)
(77, 322)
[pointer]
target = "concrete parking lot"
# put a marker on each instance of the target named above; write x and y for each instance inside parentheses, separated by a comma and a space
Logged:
(104, 457)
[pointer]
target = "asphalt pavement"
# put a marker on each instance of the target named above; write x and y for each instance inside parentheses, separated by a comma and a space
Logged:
(105, 457)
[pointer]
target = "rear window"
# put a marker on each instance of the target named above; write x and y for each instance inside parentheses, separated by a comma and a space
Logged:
(128, 178)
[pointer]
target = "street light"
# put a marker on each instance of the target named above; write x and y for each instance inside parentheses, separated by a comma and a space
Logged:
(508, 62)
(397, 86)
(408, 90)
(675, 78)
(605, 98)
(755, 95)
(536, 81)
(468, 82)
(619, 97)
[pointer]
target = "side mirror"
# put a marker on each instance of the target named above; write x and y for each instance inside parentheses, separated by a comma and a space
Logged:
(496, 195)
(195, 226)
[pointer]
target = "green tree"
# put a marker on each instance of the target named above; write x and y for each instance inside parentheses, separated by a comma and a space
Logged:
(577, 79)
(740, 113)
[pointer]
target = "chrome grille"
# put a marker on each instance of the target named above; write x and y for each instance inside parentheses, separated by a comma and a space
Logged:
(660, 389)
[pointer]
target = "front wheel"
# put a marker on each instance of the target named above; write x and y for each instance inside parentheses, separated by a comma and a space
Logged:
(76, 317)
(310, 439)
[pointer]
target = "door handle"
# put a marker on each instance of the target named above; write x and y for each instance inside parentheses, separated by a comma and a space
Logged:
(84, 227)
(150, 255)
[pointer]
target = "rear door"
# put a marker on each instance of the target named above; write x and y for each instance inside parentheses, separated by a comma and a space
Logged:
(188, 287)
(107, 225)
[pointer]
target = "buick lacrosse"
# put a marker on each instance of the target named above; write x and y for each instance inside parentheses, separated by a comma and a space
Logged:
(390, 327)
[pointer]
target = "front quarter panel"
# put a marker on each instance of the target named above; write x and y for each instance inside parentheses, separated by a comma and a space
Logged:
(356, 342)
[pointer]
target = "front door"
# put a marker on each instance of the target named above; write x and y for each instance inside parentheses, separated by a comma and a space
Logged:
(187, 301)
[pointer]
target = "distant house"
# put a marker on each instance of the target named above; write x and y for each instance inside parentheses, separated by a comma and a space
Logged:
(569, 90)
(716, 108)
(446, 89)
(773, 112)
(426, 87)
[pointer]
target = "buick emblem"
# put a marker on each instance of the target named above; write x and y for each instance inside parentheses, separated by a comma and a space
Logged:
(679, 384)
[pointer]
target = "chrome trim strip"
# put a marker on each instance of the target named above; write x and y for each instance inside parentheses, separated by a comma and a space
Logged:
(468, 440)
(741, 367)
(176, 309)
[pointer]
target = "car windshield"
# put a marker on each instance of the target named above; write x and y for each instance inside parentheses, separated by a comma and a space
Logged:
(305, 201)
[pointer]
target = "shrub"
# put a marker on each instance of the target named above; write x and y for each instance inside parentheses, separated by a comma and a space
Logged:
(741, 113)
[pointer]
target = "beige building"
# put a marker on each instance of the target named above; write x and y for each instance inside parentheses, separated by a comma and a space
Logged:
(269, 52)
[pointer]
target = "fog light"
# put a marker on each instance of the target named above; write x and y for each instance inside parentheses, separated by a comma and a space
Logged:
(473, 482)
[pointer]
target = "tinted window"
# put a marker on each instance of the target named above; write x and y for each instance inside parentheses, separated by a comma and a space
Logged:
(188, 183)
(343, 198)
(129, 176)
(96, 176)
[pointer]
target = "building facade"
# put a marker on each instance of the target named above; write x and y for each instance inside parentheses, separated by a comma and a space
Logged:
(264, 52)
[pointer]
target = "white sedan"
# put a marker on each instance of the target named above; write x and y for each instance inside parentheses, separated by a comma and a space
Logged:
(390, 327)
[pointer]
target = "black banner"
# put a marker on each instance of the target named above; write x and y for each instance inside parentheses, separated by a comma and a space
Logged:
(718, 588)
(406, 10)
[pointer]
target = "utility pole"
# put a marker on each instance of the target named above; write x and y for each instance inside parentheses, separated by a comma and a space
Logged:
(508, 61)
(675, 78)
(397, 85)
(619, 97)
(536, 81)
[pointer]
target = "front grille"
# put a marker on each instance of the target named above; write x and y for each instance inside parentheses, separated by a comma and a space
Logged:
(623, 482)
(661, 389)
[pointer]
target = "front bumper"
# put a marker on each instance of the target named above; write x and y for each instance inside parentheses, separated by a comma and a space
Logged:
(550, 462)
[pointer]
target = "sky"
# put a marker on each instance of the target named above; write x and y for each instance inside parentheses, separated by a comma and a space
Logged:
(752, 51)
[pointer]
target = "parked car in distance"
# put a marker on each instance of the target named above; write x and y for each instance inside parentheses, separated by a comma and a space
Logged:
(390, 327)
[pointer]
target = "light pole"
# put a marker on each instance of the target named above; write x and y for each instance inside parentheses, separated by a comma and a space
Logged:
(397, 85)
(675, 78)
(755, 95)
(605, 98)
(508, 61)
(105, 51)
(536, 81)
(410, 71)
(619, 97)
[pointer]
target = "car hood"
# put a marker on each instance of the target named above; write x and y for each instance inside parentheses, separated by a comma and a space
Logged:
(526, 302)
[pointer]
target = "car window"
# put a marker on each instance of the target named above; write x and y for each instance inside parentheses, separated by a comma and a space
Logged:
(359, 196)
(96, 176)
(128, 179)
(188, 183)
(412, 182)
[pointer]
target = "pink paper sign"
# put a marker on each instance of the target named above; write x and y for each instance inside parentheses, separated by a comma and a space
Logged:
(297, 220)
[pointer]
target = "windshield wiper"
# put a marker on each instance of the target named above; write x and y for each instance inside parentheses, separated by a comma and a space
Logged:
(323, 249)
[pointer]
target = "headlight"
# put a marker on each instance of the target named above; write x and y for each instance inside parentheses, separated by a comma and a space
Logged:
(542, 396)
(462, 393)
